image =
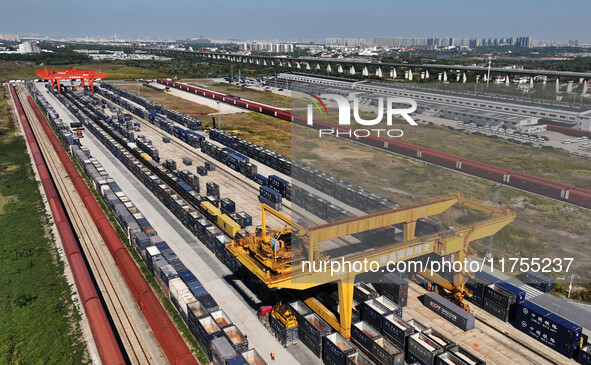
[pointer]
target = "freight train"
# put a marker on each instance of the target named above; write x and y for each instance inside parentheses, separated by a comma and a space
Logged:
(534, 184)
(150, 155)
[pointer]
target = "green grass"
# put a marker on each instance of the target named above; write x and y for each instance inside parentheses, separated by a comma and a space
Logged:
(518, 242)
(39, 323)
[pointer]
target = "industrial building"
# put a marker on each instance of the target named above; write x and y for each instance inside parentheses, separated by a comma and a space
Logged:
(29, 47)
(497, 112)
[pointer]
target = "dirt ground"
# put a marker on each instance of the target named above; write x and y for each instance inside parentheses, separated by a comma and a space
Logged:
(279, 101)
(169, 101)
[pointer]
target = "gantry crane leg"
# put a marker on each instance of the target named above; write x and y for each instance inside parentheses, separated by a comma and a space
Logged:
(346, 288)
(408, 230)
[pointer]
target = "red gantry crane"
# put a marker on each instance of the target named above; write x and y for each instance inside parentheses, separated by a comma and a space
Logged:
(73, 74)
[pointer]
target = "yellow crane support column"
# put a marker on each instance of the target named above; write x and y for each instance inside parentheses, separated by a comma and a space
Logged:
(346, 288)
(408, 230)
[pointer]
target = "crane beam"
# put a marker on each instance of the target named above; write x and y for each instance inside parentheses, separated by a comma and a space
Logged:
(406, 215)
(55, 76)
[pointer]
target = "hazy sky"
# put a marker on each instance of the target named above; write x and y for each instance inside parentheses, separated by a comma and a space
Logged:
(302, 19)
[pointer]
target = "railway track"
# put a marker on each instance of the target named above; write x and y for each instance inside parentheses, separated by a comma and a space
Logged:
(492, 324)
(116, 296)
(531, 346)
(525, 343)
(246, 185)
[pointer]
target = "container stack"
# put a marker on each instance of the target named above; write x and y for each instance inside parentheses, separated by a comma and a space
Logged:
(313, 328)
(537, 280)
(335, 349)
(363, 293)
(363, 335)
(477, 285)
(548, 328)
(396, 330)
(584, 357)
(221, 351)
(386, 353)
(286, 335)
(208, 330)
(422, 349)
(501, 299)
(374, 310)
(299, 310)
(394, 288)
(236, 338)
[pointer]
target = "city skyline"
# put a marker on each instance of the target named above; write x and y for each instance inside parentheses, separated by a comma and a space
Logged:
(305, 20)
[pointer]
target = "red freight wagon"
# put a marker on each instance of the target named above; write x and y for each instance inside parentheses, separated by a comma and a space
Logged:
(479, 170)
(541, 179)
(580, 198)
(531, 183)
(439, 159)
(403, 148)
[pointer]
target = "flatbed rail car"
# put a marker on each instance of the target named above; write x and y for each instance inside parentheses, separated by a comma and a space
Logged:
(153, 166)
(545, 187)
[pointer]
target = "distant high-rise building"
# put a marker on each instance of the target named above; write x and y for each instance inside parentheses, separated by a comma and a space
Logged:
(334, 41)
(442, 42)
(29, 47)
(267, 47)
(573, 43)
(523, 42)
(475, 43)
(9, 37)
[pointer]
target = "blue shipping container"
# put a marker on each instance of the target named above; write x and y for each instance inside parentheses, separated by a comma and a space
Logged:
(546, 327)
(537, 280)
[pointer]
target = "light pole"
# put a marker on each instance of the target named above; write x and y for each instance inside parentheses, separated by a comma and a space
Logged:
(219, 116)
(491, 238)
(488, 75)
(570, 286)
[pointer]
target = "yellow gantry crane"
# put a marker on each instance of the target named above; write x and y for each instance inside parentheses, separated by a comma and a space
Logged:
(281, 257)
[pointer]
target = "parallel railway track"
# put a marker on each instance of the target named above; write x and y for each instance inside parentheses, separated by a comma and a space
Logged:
(248, 186)
(103, 268)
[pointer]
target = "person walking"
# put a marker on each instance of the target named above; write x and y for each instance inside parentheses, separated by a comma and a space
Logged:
(273, 356)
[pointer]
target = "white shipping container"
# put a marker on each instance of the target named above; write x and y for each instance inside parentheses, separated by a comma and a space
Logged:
(176, 286)
(185, 298)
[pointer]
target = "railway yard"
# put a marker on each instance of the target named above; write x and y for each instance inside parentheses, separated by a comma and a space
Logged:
(224, 226)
